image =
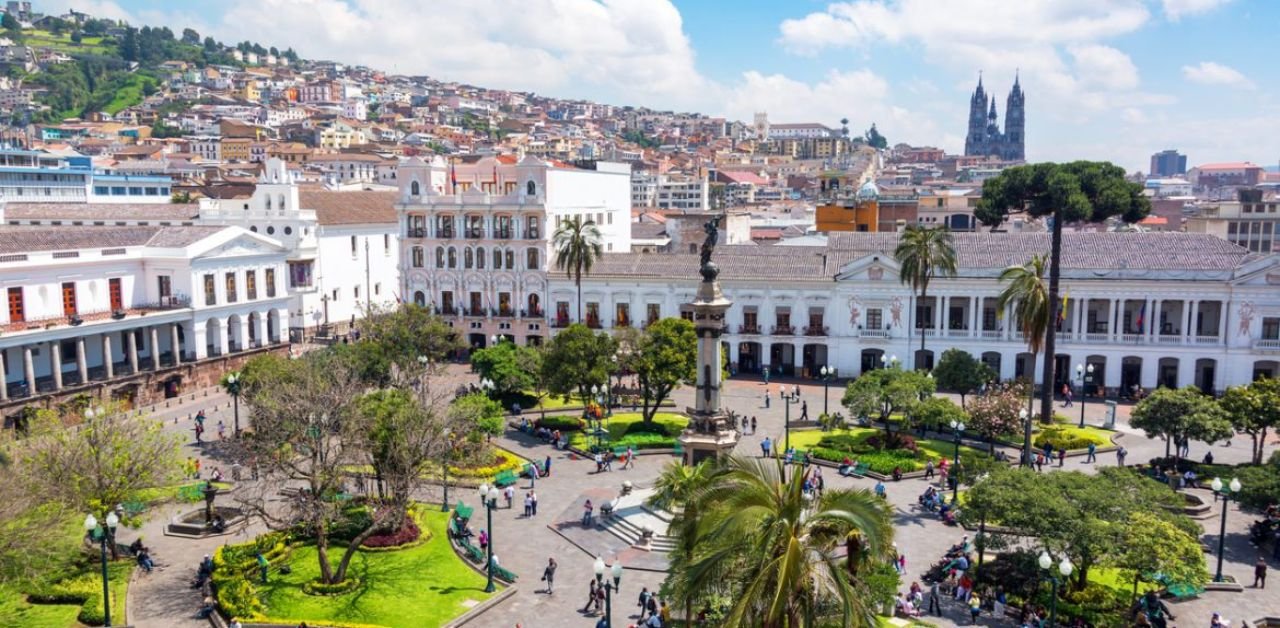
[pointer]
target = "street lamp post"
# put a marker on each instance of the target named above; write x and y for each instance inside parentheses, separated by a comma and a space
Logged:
(1025, 417)
(827, 373)
(233, 388)
(1065, 568)
(489, 497)
(448, 457)
(609, 587)
(958, 426)
(1218, 491)
(102, 535)
(1085, 375)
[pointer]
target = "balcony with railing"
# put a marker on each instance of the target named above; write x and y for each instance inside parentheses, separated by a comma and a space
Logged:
(749, 329)
(474, 234)
(1169, 339)
(533, 313)
(991, 334)
(446, 311)
(444, 234)
(593, 322)
(504, 312)
(783, 330)
(88, 316)
(1205, 341)
(416, 233)
(817, 330)
(873, 333)
(1267, 344)
(560, 322)
(502, 234)
(532, 234)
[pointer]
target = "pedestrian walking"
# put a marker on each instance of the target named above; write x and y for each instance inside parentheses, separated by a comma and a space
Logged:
(644, 601)
(764, 446)
(528, 504)
(199, 434)
(1120, 454)
(591, 606)
(534, 495)
(631, 456)
(928, 469)
(510, 494)
(1066, 395)
(744, 424)
(1260, 573)
(587, 510)
(196, 462)
(222, 430)
(796, 391)
(1062, 457)
(546, 467)
(1092, 457)
(804, 411)
(549, 574)
(935, 606)
(753, 424)
(766, 398)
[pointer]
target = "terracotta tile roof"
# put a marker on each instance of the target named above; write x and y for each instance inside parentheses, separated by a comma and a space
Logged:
(61, 238)
(349, 208)
(89, 212)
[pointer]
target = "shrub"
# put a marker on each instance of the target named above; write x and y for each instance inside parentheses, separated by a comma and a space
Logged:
(645, 441)
(407, 533)
(501, 461)
(895, 441)
(883, 462)
(562, 423)
(843, 442)
(938, 412)
(1069, 438)
(319, 588)
(655, 427)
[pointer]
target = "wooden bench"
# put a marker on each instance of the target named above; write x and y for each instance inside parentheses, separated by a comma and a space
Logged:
(505, 478)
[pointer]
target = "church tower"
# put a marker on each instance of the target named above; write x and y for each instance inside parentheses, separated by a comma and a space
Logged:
(975, 141)
(1015, 123)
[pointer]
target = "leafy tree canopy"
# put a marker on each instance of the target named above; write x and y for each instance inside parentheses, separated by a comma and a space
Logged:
(1182, 413)
(883, 392)
(958, 370)
(1087, 191)
(665, 357)
(1254, 409)
(506, 365)
(577, 359)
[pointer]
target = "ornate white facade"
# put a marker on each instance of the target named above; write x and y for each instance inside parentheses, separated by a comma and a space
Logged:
(1143, 309)
(476, 236)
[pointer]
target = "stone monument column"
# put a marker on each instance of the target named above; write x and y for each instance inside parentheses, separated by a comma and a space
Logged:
(710, 432)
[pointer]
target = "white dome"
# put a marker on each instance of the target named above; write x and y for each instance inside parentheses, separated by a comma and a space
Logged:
(868, 191)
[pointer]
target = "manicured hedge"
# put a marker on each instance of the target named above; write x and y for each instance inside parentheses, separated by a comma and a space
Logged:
(562, 423)
(1069, 438)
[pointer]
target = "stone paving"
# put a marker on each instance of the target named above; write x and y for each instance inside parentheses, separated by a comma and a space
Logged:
(163, 598)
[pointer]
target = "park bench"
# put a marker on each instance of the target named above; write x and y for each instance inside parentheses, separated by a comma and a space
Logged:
(859, 470)
(505, 478)
(474, 554)
(529, 469)
(463, 511)
(504, 574)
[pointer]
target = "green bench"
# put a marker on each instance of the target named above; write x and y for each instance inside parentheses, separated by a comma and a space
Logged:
(859, 470)
(474, 554)
(464, 511)
(504, 574)
(529, 468)
(505, 478)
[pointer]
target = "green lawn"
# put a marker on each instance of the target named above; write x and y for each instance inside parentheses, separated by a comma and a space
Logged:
(15, 610)
(880, 461)
(628, 428)
(128, 95)
(37, 38)
(425, 585)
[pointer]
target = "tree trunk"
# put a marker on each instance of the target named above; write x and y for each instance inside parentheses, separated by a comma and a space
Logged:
(920, 324)
(1050, 331)
(1166, 446)
(378, 478)
(322, 552)
(351, 550)
(577, 280)
(1026, 425)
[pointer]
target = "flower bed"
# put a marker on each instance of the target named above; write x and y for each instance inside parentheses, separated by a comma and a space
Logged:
(1069, 438)
(628, 429)
(908, 453)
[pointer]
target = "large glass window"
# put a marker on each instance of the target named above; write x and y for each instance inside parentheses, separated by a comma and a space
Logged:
(251, 284)
(210, 290)
(270, 278)
(231, 288)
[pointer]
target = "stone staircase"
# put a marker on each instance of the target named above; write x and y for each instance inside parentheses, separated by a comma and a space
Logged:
(630, 519)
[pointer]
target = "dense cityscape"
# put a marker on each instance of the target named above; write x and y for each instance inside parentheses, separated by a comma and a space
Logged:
(290, 341)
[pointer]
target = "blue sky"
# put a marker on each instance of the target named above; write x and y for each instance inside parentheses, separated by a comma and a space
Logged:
(1105, 79)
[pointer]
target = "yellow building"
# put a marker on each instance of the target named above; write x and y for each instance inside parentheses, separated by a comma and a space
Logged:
(236, 149)
(249, 92)
(861, 213)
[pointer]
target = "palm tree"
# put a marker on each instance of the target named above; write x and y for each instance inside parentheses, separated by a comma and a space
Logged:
(674, 491)
(924, 253)
(577, 246)
(1026, 289)
(775, 549)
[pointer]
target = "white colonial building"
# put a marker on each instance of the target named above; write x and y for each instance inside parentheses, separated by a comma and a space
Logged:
(134, 309)
(1143, 309)
(343, 253)
(476, 236)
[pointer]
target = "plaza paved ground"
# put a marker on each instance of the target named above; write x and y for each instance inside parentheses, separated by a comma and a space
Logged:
(163, 599)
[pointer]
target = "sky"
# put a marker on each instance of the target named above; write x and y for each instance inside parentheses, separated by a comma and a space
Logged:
(1104, 79)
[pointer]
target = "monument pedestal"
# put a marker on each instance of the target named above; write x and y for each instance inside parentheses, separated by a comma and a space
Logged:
(711, 431)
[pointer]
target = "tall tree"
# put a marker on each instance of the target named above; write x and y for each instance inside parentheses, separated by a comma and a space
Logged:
(504, 365)
(577, 245)
(773, 550)
(190, 37)
(1254, 409)
(1184, 413)
(414, 340)
(674, 491)
(577, 359)
(1151, 546)
(959, 371)
(665, 357)
(884, 392)
(1026, 290)
(874, 139)
(106, 460)
(996, 413)
(924, 253)
(1079, 191)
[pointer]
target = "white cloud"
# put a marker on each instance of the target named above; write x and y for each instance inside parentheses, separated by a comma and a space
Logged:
(1104, 66)
(636, 52)
(1176, 9)
(1210, 73)
(107, 9)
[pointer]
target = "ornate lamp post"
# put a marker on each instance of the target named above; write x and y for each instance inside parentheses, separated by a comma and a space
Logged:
(102, 534)
(1222, 531)
(958, 426)
(1065, 568)
(233, 388)
(489, 497)
(609, 587)
(827, 373)
(1024, 416)
(1085, 375)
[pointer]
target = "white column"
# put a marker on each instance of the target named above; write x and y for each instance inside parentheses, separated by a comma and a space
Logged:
(4, 378)
(261, 331)
(1082, 317)
(1188, 331)
(224, 331)
(1223, 308)
(55, 362)
(29, 366)
(131, 339)
(175, 343)
(155, 348)
(975, 304)
(107, 358)
(1111, 319)
(200, 340)
(82, 362)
